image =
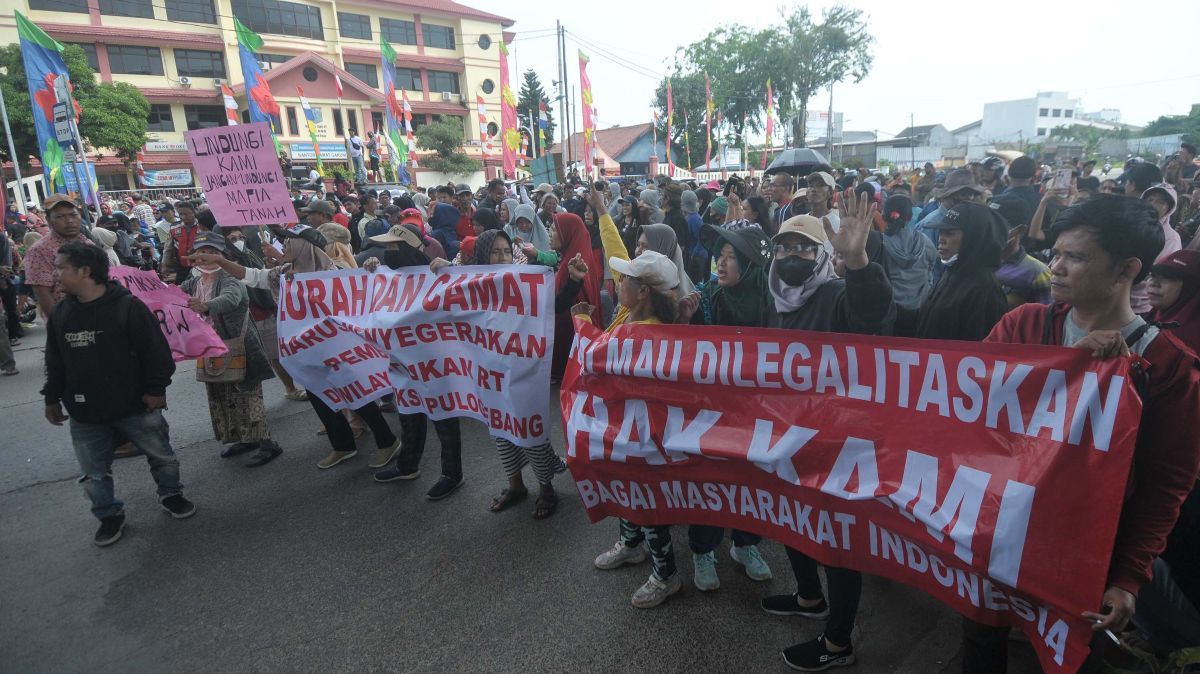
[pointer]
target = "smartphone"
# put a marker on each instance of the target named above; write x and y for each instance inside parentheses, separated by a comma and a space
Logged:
(1062, 179)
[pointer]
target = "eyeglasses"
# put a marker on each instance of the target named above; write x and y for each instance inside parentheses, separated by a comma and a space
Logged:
(795, 248)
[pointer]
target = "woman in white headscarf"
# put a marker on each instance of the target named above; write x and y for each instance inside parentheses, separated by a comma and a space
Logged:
(107, 239)
(507, 210)
(421, 201)
(527, 228)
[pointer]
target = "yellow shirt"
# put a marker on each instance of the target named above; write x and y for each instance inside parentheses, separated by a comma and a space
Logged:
(614, 246)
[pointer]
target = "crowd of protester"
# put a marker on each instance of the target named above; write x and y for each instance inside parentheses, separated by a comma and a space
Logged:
(993, 251)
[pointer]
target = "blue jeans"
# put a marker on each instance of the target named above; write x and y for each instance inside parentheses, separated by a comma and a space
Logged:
(94, 449)
(360, 170)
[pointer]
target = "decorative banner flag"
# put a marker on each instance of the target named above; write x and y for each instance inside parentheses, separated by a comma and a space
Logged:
(408, 128)
(958, 468)
(337, 85)
(589, 120)
(398, 148)
(44, 68)
(708, 115)
(231, 106)
(240, 175)
(187, 334)
(770, 125)
(509, 130)
(310, 120)
(653, 165)
(670, 119)
(259, 99)
(467, 342)
(687, 142)
(141, 170)
(481, 112)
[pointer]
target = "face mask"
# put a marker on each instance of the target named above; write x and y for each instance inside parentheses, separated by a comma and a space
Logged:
(209, 269)
(794, 270)
(951, 261)
(240, 245)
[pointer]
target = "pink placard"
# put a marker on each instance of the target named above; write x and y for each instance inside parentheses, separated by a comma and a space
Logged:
(186, 332)
(238, 171)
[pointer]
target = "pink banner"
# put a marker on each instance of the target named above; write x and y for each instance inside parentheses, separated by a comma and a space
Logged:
(238, 171)
(186, 332)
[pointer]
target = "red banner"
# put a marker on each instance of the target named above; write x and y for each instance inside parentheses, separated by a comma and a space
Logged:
(967, 470)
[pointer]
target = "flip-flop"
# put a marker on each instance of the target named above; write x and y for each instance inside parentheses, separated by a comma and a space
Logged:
(507, 498)
(10, 373)
(545, 506)
(297, 395)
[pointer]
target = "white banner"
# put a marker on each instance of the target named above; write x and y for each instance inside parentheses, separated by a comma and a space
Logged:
(167, 178)
(470, 342)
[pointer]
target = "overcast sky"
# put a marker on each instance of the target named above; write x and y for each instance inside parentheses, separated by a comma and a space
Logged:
(939, 60)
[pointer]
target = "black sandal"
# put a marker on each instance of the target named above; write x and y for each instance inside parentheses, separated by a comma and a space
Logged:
(507, 498)
(545, 506)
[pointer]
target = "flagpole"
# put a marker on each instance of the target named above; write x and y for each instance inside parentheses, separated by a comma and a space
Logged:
(12, 154)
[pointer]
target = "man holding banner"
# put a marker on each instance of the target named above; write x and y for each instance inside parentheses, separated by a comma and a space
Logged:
(1105, 246)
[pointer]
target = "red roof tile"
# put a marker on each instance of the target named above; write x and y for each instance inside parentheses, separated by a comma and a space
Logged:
(612, 141)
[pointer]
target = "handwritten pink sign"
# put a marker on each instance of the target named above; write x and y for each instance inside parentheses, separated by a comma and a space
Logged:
(186, 332)
(238, 171)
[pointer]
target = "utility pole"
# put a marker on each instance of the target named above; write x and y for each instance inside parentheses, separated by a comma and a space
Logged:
(533, 124)
(561, 85)
(912, 150)
(566, 102)
(829, 125)
(12, 154)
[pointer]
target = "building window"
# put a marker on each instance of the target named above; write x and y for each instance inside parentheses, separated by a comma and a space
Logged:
(280, 18)
(419, 121)
(246, 119)
(1041, 132)
(191, 11)
(377, 121)
(112, 182)
(356, 26)
(1068, 113)
(408, 78)
(397, 31)
(89, 50)
(443, 81)
(204, 116)
(293, 125)
(271, 60)
(338, 129)
(160, 118)
(139, 8)
(365, 72)
(1043, 112)
(77, 6)
(352, 120)
(1056, 113)
(485, 42)
(488, 86)
(196, 63)
(439, 37)
(309, 73)
(128, 60)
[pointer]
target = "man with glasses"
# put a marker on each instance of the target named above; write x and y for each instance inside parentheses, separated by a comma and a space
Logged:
(66, 226)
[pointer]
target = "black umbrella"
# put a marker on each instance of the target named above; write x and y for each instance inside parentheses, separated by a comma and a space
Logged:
(799, 161)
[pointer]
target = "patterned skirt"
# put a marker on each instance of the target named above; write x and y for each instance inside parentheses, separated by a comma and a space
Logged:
(237, 416)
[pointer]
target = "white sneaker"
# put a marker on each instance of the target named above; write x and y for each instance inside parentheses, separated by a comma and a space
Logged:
(620, 554)
(749, 557)
(705, 571)
(654, 592)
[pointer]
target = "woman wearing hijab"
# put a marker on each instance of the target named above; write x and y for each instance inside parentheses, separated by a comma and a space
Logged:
(237, 412)
(495, 247)
(526, 230)
(337, 245)
(738, 297)
(1174, 289)
(647, 296)
(107, 239)
(421, 202)
(569, 238)
(444, 223)
(404, 251)
(910, 255)
(806, 295)
(508, 211)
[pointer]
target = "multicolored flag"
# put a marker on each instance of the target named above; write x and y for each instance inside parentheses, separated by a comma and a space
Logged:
(259, 99)
(670, 115)
(397, 146)
(708, 115)
(589, 116)
(310, 120)
(45, 73)
(337, 84)
(509, 130)
(141, 170)
(687, 143)
(481, 112)
(770, 125)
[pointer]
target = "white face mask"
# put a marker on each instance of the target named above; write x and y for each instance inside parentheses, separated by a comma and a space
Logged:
(209, 270)
(240, 245)
(952, 260)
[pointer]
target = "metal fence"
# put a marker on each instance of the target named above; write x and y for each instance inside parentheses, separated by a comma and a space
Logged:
(151, 194)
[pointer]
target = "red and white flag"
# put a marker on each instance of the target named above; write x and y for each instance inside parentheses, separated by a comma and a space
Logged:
(337, 83)
(231, 106)
(141, 171)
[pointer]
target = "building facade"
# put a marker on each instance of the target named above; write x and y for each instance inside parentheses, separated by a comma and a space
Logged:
(1028, 120)
(179, 52)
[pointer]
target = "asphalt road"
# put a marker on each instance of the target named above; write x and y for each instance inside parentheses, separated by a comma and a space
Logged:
(289, 568)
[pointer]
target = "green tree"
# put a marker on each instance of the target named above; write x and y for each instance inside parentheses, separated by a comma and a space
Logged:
(687, 92)
(1188, 125)
(531, 95)
(113, 114)
(1090, 136)
(445, 138)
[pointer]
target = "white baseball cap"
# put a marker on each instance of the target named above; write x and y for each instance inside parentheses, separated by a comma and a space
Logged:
(651, 268)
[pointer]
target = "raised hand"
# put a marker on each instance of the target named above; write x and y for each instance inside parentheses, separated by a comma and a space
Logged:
(596, 200)
(858, 215)
(577, 268)
(371, 264)
(687, 307)
(438, 264)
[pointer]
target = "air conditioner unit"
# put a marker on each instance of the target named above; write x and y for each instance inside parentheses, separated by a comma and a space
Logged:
(446, 96)
(264, 65)
(185, 81)
(217, 81)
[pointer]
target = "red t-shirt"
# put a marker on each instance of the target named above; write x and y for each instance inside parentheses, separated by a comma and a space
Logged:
(342, 219)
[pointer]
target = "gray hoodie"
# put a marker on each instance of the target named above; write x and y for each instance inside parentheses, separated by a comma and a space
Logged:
(650, 198)
(614, 193)
(910, 261)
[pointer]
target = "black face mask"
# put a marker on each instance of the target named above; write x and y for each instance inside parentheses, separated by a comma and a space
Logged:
(795, 270)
